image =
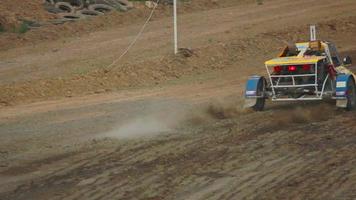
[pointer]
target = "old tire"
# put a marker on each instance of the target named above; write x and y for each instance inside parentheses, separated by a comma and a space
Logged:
(67, 17)
(103, 8)
(126, 3)
(77, 4)
(51, 8)
(120, 5)
(260, 102)
(52, 2)
(65, 7)
(351, 95)
(88, 13)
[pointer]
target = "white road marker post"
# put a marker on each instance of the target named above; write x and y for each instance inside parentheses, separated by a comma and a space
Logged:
(313, 33)
(175, 27)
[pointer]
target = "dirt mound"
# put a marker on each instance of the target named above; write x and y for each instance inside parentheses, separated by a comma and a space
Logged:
(14, 12)
(81, 74)
(166, 68)
(127, 75)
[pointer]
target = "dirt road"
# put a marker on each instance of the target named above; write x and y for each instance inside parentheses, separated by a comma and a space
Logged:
(186, 139)
(161, 148)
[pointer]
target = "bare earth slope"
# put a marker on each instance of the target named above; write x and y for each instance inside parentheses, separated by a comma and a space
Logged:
(222, 38)
(187, 137)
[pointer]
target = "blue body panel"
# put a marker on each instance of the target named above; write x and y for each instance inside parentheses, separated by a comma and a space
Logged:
(341, 84)
(252, 86)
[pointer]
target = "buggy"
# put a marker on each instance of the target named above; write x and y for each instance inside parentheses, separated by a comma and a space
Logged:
(307, 71)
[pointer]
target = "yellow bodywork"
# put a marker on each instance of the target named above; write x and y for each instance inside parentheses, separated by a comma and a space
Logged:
(301, 59)
(298, 59)
(294, 60)
(305, 60)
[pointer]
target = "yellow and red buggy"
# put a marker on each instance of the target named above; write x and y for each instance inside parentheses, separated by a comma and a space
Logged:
(308, 71)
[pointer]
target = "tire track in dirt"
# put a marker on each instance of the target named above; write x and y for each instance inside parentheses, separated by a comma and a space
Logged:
(218, 162)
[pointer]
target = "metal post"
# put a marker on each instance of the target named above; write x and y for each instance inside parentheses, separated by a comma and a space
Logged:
(175, 27)
(312, 33)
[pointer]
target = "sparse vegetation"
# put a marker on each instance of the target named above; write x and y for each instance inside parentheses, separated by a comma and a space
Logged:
(2, 29)
(23, 28)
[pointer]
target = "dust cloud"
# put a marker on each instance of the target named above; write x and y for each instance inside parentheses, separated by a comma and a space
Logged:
(166, 117)
(154, 119)
(172, 117)
(145, 126)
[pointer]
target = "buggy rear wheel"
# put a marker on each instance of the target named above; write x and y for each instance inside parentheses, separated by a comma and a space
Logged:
(351, 95)
(260, 102)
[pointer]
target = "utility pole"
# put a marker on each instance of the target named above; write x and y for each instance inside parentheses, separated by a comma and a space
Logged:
(175, 27)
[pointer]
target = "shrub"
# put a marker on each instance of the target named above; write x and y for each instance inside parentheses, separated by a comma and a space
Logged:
(23, 28)
(2, 29)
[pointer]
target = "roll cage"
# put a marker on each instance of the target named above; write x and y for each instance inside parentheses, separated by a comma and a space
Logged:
(317, 54)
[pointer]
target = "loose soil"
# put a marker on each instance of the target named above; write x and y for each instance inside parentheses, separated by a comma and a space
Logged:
(159, 126)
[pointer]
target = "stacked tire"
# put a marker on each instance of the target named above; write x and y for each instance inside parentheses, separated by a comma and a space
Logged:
(71, 10)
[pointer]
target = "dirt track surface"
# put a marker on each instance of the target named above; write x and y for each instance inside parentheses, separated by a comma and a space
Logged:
(185, 139)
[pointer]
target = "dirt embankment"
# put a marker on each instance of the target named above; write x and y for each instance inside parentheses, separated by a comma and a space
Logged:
(14, 12)
(77, 66)
(156, 71)
(217, 56)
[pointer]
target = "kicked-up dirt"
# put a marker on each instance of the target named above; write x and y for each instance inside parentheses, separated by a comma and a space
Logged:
(156, 126)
